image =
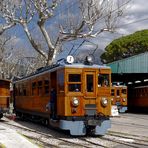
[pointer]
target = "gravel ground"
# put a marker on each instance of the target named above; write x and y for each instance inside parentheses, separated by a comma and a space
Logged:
(128, 130)
(11, 139)
(136, 124)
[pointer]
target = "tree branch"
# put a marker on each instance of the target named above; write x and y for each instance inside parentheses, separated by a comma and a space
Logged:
(5, 27)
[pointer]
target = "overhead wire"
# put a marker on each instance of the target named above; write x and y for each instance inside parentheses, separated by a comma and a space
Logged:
(137, 21)
(74, 3)
(33, 28)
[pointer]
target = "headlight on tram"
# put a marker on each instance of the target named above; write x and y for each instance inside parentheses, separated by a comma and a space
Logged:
(112, 100)
(104, 101)
(75, 101)
(124, 100)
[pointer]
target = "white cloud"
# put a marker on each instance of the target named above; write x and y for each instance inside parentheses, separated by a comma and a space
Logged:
(136, 19)
(137, 11)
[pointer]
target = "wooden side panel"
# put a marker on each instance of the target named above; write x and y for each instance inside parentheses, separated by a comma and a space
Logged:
(74, 111)
(104, 92)
(35, 98)
(4, 102)
(104, 110)
(92, 98)
(120, 95)
(4, 93)
(139, 97)
(32, 94)
(61, 92)
(69, 110)
(124, 96)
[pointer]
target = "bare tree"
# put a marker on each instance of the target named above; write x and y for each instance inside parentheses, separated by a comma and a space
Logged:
(27, 65)
(14, 62)
(92, 18)
(6, 27)
(3, 52)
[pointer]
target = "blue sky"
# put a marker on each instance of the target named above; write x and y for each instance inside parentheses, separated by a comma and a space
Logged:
(135, 18)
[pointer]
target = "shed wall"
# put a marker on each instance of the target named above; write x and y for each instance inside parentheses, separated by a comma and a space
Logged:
(134, 64)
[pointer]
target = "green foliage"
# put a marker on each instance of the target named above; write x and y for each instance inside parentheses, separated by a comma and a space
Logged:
(126, 46)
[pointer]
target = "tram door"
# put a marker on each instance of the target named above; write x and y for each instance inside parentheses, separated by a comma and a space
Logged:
(90, 85)
(53, 91)
(90, 93)
(53, 78)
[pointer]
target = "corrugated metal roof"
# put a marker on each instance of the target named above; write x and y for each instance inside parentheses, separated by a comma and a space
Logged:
(134, 64)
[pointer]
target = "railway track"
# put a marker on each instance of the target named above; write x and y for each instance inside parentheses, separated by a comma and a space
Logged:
(130, 124)
(48, 137)
(139, 116)
(56, 139)
(129, 141)
(50, 140)
(130, 136)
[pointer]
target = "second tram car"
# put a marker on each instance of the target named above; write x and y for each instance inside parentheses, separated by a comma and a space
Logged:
(119, 97)
(4, 96)
(70, 96)
(138, 99)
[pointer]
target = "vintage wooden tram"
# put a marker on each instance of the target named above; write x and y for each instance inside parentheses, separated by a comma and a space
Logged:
(138, 98)
(4, 96)
(82, 103)
(119, 97)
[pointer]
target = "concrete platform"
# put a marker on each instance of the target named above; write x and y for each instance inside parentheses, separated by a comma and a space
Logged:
(128, 123)
(11, 139)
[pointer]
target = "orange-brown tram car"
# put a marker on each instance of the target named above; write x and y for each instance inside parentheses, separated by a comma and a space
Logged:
(138, 98)
(4, 96)
(119, 97)
(80, 107)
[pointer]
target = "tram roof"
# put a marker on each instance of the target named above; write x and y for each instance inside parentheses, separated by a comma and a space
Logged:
(77, 65)
(6, 80)
(63, 65)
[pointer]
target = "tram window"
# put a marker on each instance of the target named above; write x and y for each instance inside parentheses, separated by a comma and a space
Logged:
(33, 88)
(103, 80)
(90, 83)
(46, 82)
(75, 87)
(112, 92)
(118, 93)
(74, 82)
(136, 93)
(39, 87)
(60, 80)
(146, 92)
(141, 92)
(24, 92)
(123, 91)
(33, 84)
(46, 86)
(20, 91)
(16, 91)
(74, 78)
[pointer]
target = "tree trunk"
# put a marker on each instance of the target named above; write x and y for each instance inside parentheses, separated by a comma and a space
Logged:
(51, 48)
(35, 46)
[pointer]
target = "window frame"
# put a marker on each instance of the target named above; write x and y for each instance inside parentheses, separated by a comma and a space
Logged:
(74, 82)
